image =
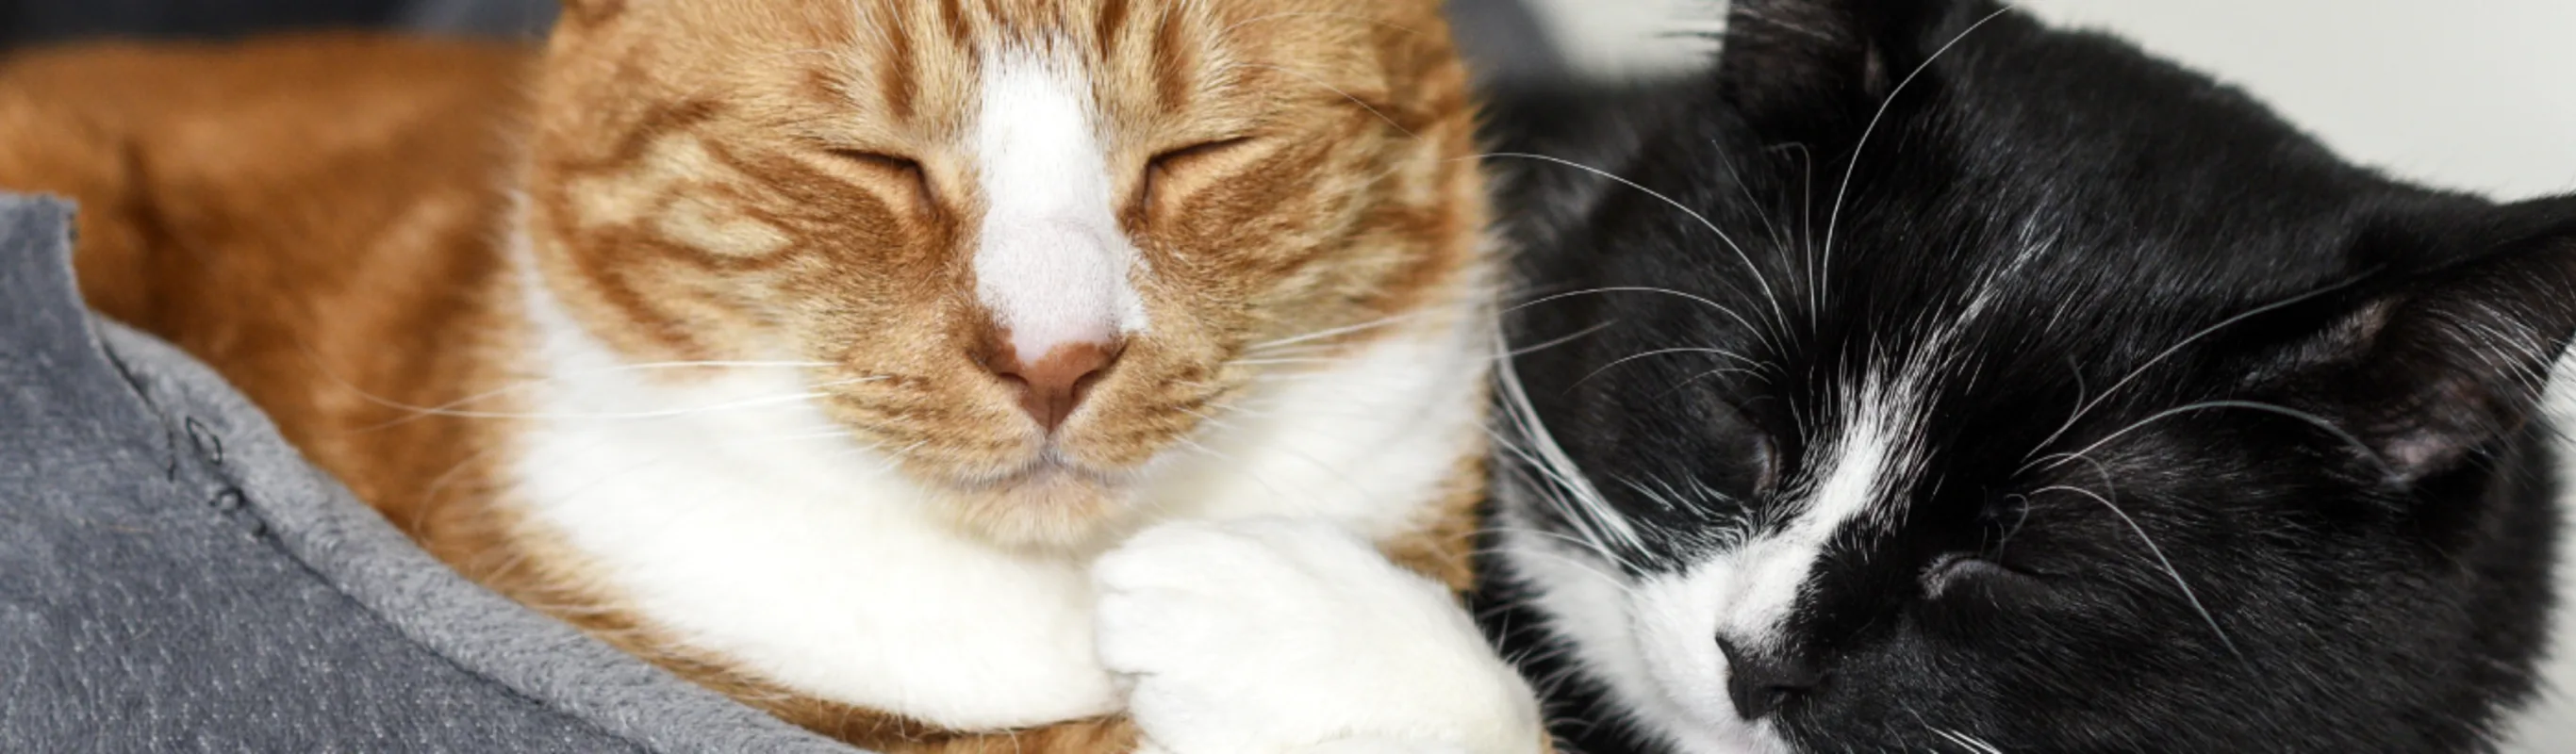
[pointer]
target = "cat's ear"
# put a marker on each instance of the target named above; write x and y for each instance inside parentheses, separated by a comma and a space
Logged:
(1807, 59)
(2451, 352)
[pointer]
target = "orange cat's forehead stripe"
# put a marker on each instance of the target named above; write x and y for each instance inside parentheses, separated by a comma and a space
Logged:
(952, 17)
(900, 79)
(1110, 27)
(1172, 64)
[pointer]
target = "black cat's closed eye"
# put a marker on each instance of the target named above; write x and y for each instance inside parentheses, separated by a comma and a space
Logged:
(1740, 451)
(1952, 570)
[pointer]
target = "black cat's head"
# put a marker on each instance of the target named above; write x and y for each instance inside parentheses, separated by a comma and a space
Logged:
(1929, 379)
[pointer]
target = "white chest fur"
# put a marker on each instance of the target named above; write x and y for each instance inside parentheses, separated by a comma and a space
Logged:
(733, 515)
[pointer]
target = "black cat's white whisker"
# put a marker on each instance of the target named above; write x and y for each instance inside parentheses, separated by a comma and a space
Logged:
(1608, 557)
(2360, 447)
(1973, 744)
(1719, 352)
(2087, 407)
(1597, 571)
(2161, 561)
(1694, 298)
(1749, 267)
(1529, 442)
(1842, 192)
(1759, 214)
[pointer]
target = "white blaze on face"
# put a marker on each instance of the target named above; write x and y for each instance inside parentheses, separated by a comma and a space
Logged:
(1747, 594)
(1769, 572)
(1051, 265)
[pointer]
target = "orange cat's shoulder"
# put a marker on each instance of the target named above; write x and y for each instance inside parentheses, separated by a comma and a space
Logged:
(284, 208)
(232, 143)
(264, 97)
(171, 78)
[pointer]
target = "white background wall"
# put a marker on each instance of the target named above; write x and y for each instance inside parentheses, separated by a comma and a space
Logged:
(2477, 95)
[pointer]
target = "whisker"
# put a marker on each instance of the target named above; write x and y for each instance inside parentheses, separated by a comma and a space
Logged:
(2319, 421)
(1703, 300)
(1212, 421)
(2187, 594)
(1337, 331)
(1578, 565)
(1364, 105)
(1833, 221)
(1289, 360)
(1740, 254)
(2088, 406)
(524, 385)
(1562, 499)
(1553, 343)
(1768, 228)
(635, 415)
(1739, 358)
(1965, 741)
(1525, 438)
(1595, 549)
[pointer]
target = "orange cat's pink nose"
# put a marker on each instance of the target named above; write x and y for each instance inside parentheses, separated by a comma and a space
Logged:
(1053, 385)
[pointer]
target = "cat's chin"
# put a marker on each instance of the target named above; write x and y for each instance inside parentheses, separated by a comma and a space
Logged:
(1052, 507)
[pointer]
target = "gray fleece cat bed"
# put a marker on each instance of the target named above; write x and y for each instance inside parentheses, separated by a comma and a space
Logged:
(174, 577)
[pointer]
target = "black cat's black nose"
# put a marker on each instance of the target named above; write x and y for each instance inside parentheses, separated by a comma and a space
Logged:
(1759, 684)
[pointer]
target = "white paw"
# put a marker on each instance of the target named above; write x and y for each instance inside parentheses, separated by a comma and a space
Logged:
(1268, 636)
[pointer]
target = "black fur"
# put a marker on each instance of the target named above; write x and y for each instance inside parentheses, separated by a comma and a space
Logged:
(2362, 501)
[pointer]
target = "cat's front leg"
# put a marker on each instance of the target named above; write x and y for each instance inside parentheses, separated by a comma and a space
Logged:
(1278, 637)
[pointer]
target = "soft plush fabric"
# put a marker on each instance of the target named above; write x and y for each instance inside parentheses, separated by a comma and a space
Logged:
(174, 577)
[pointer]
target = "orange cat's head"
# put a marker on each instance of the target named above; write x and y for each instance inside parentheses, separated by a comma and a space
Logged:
(1046, 233)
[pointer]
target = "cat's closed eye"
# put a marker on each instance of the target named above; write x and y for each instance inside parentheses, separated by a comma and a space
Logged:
(1175, 166)
(897, 170)
(1741, 454)
(1952, 571)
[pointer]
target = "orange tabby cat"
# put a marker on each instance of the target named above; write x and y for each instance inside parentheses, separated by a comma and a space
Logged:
(834, 354)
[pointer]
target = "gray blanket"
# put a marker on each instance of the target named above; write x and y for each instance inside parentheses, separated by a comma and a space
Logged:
(174, 577)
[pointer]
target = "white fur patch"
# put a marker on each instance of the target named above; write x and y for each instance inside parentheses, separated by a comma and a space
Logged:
(736, 516)
(733, 515)
(1052, 264)
(1277, 637)
(1654, 642)
(1361, 442)
(1760, 582)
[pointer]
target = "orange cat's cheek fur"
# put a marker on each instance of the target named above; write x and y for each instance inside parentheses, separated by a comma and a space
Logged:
(828, 209)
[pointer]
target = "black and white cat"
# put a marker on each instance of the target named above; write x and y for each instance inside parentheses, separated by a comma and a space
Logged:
(1931, 380)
